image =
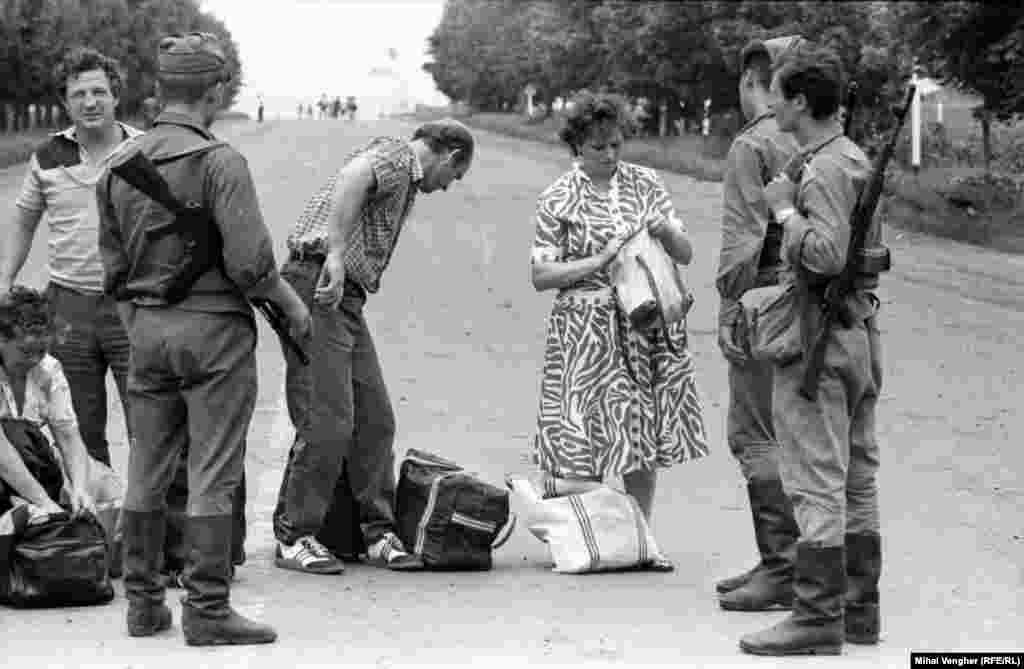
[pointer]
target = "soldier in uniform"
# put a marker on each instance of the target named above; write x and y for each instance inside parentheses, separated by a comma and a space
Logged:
(192, 378)
(749, 259)
(829, 451)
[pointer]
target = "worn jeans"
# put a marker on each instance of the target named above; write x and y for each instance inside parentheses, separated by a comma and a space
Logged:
(829, 453)
(749, 420)
(193, 384)
(340, 408)
(93, 340)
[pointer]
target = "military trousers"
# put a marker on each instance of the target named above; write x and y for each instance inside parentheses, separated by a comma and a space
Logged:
(829, 452)
(192, 383)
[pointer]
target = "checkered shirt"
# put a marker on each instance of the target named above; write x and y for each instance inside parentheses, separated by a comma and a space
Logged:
(398, 171)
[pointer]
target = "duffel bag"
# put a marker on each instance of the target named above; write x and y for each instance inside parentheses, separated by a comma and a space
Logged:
(60, 561)
(449, 518)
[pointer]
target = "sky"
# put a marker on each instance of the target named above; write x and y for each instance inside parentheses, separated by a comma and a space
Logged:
(294, 50)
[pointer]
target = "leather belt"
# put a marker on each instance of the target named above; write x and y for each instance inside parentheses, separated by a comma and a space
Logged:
(299, 255)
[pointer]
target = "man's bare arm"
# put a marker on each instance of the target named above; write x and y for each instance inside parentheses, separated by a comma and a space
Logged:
(16, 243)
(355, 183)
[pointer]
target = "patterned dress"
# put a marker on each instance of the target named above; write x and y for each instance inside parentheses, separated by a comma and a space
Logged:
(612, 399)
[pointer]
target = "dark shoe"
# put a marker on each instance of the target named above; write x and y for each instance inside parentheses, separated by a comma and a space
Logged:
(764, 592)
(816, 625)
(863, 571)
(207, 617)
(143, 536)
(738, 581)
(226, 628)
(147, 619)
(776, 532)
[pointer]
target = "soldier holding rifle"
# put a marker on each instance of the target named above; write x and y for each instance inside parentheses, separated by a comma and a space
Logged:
(829, 455)
(192, 377)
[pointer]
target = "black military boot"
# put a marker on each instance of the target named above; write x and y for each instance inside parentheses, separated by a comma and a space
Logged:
(143, 549)
(206, 616)
(863, 570)
(770, 584)
(815, 627)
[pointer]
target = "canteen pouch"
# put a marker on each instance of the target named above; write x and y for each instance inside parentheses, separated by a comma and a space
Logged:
(769, 324)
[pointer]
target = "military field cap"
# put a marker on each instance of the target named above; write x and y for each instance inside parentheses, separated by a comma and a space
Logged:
(776, 48)
(192, 57)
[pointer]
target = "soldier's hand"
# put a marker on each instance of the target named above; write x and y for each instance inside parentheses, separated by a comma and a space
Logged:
(331, 286)
(780, 194)
(730, 350)
(300, 322)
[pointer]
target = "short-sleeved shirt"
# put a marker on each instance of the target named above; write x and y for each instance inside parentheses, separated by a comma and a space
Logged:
(576, 221)
(61, 184)
(47, 396)
(398, 172)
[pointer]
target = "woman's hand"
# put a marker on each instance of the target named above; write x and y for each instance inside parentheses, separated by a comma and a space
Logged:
(611, 249)
(82, 501)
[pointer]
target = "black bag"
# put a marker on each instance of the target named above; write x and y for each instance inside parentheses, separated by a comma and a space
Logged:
(341, 532)
(449, 518)
(36, 452)
(62, 561)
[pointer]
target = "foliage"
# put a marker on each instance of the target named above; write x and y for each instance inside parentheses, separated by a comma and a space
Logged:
(34, 35)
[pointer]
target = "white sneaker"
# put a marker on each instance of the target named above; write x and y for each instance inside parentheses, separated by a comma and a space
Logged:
(308, 555)
(389, 552)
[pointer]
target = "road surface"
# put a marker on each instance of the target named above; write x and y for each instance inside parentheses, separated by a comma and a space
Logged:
(460, 332)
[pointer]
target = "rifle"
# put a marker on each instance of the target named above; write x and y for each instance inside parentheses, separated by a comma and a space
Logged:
(837, 290)
(202, 237)
(272, 312)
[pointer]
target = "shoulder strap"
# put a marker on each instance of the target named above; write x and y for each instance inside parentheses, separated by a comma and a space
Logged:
(140, 172)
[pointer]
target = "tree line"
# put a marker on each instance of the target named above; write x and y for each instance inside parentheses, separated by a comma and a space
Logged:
(679, 54)
(35, 34)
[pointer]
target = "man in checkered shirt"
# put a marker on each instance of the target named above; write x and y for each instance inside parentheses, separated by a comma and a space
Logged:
(339, 404)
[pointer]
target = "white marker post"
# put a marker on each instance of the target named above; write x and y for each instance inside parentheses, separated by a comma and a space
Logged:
(915, 125)
(530, 91)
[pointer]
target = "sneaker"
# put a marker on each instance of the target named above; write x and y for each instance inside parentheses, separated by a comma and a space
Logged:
(389, 552)
(308, 555)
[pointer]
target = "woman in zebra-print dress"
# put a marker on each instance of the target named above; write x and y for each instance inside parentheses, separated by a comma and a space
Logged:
(613, 401)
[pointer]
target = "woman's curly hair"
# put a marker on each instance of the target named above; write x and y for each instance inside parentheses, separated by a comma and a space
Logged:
(591, 109)
(25, 311)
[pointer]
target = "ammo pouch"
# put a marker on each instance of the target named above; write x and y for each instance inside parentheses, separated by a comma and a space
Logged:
(769, 325)
(185, 248)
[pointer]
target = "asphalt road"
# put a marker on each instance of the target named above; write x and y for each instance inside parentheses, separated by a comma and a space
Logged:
(460, 333)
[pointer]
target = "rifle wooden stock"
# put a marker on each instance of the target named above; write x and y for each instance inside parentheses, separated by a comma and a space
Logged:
(840, 287)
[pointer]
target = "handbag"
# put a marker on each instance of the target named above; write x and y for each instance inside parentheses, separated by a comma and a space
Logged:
(648, 284)
(769, 324)
(60, 561)
(602, 529)
(448, 517)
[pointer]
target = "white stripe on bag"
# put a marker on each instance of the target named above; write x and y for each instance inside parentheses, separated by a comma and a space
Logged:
(474, 523)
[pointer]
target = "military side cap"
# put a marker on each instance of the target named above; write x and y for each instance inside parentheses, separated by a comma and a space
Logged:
(191, 57)
(776, 48)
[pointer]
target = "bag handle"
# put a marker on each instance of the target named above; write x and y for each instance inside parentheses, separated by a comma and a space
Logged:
(510, 525)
